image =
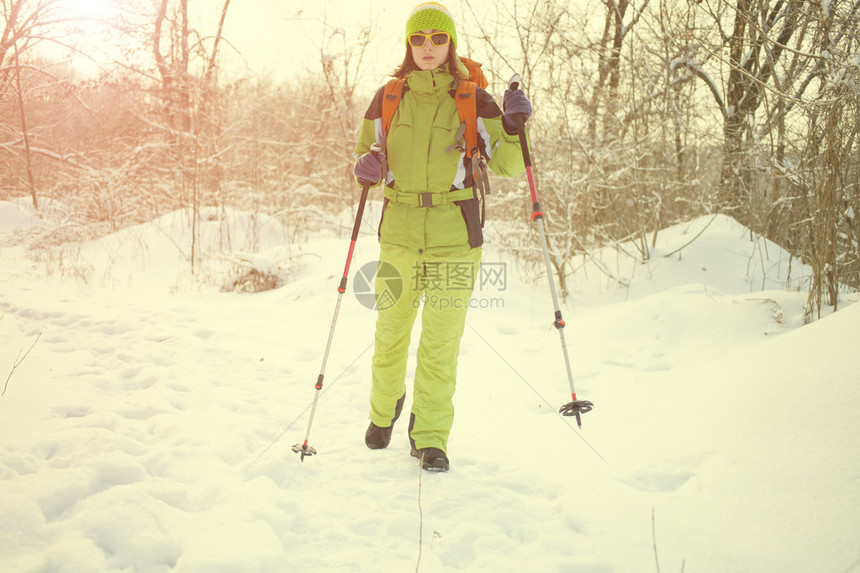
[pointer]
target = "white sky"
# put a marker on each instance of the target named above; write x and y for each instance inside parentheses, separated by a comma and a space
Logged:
(283, 37)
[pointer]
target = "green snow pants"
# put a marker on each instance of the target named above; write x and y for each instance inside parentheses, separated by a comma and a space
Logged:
(440, 279)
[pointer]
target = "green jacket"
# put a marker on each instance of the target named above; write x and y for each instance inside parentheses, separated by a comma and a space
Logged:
(421, 159)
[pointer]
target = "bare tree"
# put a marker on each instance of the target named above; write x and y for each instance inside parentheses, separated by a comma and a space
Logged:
(187, 99)
(25, 24)
(831, 164)
(667, 110)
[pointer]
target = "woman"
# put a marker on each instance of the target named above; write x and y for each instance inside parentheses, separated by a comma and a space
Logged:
(430, 229)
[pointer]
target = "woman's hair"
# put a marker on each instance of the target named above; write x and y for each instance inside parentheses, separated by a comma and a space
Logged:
(409, 64)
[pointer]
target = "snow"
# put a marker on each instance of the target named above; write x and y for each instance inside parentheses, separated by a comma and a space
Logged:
(149, 429)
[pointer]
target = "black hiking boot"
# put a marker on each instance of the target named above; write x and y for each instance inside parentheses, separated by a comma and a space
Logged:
(432, 459)
(378, 438)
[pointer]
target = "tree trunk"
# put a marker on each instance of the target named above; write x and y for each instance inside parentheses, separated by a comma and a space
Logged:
(732, 171)
(25, 134)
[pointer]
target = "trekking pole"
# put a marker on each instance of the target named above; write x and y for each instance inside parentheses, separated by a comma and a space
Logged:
(575, 407)
(303, 449)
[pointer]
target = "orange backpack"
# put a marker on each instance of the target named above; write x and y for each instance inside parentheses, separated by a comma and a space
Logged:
(467, 108)
(465, 98)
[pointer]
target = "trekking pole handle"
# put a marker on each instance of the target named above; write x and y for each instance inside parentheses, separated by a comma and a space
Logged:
(376, 151)
(514, 84)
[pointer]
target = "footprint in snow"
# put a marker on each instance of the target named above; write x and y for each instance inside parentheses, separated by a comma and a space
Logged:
(72, 412)
(658, 481)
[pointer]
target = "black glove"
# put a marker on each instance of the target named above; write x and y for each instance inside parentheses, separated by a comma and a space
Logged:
(368, 168)
(515, 103)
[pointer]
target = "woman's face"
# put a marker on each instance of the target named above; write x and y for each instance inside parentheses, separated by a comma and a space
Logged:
(430, 56)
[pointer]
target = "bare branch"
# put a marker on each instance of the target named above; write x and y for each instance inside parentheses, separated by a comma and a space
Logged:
(214, 54)
(18, 362)
(703, 75)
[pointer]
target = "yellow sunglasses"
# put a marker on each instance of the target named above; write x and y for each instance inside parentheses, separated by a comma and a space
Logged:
(437, 38)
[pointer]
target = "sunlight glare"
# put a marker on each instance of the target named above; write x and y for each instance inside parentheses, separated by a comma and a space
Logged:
(90, 9)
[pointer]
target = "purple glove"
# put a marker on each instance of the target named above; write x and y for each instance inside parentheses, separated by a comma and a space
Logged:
(515, 103)
(368, 168)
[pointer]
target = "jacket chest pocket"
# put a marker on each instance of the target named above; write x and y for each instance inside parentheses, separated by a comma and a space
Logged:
(443, 131)
(399, 134)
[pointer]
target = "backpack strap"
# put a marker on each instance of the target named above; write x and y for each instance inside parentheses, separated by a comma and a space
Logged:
(466, 99)
(390, 101)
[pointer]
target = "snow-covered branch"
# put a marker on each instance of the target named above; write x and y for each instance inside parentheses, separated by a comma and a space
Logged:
(64, 158)
(698, 71)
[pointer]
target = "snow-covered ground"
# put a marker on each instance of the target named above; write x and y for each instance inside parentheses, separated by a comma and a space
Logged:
(149, 428)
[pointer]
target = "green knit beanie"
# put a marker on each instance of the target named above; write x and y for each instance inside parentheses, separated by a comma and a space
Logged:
(431, 16)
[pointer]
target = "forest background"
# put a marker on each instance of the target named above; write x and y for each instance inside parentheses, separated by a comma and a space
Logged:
(647, 113)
